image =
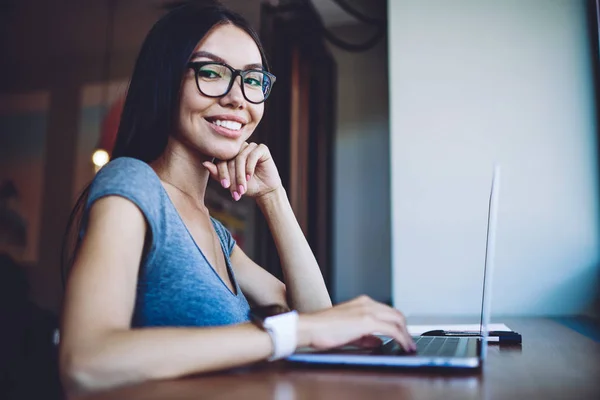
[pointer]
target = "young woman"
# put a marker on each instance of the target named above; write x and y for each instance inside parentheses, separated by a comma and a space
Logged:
(159, 289)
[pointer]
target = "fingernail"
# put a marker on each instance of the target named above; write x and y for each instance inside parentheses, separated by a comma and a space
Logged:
(236, 196)
(241, 189)
(248, 177)
(225, 183)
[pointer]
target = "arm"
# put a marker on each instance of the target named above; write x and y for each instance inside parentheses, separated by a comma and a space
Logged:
(98, 348)
(304, 283)
(259, 286)
(304, 288)
(253, 173)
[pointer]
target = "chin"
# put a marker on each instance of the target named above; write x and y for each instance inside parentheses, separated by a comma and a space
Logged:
(225, 152)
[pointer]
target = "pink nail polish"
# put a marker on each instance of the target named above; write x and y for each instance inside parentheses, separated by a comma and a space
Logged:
(248, 177)
(225, 183)
(236, 196)
(241, 189)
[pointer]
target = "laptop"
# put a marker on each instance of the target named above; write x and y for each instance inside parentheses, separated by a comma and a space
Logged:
(432, 351)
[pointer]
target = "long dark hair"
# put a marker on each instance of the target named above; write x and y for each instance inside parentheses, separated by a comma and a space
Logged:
(152, 100)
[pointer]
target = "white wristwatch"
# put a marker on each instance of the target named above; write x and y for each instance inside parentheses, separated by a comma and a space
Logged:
(281, 325)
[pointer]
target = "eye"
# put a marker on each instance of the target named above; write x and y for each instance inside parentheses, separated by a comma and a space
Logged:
(212, 72)
(252, 82)
(208, 74)
(254, 79)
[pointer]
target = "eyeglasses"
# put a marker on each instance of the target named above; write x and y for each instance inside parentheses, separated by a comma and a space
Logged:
(215, 79)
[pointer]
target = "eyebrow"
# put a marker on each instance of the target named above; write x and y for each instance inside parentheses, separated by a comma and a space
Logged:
(216, 58)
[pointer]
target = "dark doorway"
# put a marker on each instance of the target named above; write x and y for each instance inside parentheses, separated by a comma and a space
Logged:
(299, 127)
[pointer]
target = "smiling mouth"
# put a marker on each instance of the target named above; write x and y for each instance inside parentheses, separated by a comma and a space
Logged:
(227, 124)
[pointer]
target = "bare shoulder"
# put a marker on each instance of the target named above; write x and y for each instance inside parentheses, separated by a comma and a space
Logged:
(115, 232)
(114, 209)
(101, 288)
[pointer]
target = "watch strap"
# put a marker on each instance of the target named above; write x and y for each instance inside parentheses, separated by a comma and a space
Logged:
(283, 329)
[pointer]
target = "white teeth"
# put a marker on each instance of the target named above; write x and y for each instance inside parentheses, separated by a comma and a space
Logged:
(234, 126)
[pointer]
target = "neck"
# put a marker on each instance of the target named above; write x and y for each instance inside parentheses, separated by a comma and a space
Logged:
(183, 171)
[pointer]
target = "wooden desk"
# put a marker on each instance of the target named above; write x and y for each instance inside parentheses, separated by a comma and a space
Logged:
(554, 362)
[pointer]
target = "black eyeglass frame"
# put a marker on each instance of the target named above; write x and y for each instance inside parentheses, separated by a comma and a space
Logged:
(197, 65)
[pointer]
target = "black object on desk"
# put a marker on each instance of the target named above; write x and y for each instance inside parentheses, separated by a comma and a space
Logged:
(504, 337)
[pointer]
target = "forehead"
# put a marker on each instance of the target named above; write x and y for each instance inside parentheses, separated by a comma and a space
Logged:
(232, 44)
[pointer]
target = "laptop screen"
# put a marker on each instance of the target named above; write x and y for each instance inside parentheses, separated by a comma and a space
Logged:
(490, 247)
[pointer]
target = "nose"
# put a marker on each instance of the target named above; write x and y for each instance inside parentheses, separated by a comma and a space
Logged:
(235, 97)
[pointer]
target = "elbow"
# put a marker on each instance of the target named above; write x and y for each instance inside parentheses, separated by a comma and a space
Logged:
(85, 373)
(76, 374)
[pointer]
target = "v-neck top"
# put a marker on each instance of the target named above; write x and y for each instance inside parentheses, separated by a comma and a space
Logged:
(176, 284)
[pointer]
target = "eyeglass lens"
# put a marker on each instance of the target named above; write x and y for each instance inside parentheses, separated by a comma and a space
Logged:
(214, 80)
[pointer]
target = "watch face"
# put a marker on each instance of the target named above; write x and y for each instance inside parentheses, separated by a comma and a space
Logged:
(259, 314)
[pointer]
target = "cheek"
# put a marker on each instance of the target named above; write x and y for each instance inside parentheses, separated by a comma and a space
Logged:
(191, 102)
(257, 111)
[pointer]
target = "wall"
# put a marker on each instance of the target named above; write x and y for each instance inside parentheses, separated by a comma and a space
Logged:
(473, 82)
(361, 176)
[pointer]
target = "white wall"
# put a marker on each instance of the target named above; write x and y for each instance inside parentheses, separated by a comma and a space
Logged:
(477, 81)
(362, 190)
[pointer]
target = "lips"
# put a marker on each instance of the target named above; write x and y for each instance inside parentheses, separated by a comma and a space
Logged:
(228, 126)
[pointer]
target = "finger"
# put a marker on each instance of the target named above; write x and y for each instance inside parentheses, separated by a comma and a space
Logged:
(240, 167)
(408, 344)
(223, 174)
(412, 343)
(233, 188)
(384, 327)
(212, 169)
(259, 153)
(389, 328)
(401, 321)
(380, 318)
(398, 319)
(393, 316)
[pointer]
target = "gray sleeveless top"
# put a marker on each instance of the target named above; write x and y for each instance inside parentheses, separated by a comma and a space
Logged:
(176, 284)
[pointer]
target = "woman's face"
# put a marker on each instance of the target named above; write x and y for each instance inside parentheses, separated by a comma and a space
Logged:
(217, 127)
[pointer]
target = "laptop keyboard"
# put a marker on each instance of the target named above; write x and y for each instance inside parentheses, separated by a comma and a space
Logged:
(426, 346)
